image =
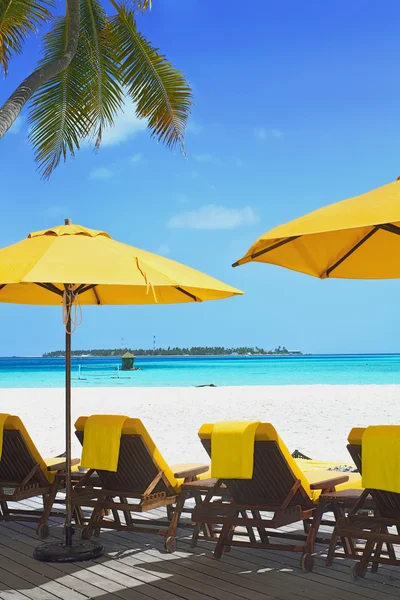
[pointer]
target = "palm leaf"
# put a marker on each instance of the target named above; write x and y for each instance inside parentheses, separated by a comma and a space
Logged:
(83, 99)
(160, 91)
(59, 115)
(18, 19)
(142, 5)
(104, 92)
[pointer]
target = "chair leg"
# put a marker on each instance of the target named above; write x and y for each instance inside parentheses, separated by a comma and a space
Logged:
(223, 537)
(4, 508)
(48, 501)
(332, 546)
(261, 530)
(366, 557)
(173, 525)
(389, 546)
(347, 543)
(127, 514)
(249, 528)
(377, 553)
(95, 518)
(314, 527)
(170, 512)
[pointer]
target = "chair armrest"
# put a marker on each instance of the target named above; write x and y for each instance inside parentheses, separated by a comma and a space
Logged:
(192, 471)
(328, 484)
(61, 466)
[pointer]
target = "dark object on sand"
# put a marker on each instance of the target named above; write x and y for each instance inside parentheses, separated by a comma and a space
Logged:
(298, 454)
(207, 385)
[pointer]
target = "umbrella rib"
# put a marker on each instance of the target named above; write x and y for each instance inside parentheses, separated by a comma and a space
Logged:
(270, 248)
(390, 228)
(50, 288)
(85, 288)
(177, 287)
(96, 295)
(351, 251)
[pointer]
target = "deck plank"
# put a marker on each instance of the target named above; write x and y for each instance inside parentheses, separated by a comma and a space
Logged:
(136, 565)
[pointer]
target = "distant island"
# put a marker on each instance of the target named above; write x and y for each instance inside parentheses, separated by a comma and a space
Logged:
(194, 351)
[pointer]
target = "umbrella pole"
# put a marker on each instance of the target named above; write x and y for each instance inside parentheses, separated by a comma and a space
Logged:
(67, 551)
(68, 490)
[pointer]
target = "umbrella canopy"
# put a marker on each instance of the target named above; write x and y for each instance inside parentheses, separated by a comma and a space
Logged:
(357, 238)
(103, 271)
(71, 264)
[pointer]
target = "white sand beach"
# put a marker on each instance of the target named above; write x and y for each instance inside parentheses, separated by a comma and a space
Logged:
(314, 419)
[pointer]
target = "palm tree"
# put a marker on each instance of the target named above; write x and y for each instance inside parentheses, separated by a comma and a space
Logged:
(92, 63)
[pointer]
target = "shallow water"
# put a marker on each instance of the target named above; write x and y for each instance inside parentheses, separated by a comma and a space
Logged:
(192, 371)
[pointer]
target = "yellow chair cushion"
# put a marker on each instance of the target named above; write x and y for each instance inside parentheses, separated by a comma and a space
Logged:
(355, 435)
(320, 465)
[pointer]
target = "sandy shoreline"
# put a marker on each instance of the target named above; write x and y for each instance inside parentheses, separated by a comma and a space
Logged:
(312, 418)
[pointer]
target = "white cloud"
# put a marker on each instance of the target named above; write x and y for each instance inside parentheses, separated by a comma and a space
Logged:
(164, 249)
(126, 126)
(205, 157)
(101, 173)
(194, 127)
(136, 158)
(211, 216)
(239, 163)
(262, 133)
(16, 127)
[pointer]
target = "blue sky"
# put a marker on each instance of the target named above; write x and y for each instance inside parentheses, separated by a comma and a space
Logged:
(296, 106)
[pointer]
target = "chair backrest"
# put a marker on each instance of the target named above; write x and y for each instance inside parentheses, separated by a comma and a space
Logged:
(138, 464)
(275, 472)
(19, 456)
(387, 503)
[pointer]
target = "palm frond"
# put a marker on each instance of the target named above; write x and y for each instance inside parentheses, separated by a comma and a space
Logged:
(160, 92)
(142, 5)
(105, 95)
(59, 113)
(84, 98)
(18, 19)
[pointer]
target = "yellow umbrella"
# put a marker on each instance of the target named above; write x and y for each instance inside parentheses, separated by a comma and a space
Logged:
(357, 238)
(70, 265)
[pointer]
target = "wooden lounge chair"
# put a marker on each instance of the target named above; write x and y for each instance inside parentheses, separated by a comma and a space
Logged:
(278, 486)
(379, 510)
(25, 474)
(143, 477)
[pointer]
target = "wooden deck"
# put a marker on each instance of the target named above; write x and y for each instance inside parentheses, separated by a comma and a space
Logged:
(136, 567)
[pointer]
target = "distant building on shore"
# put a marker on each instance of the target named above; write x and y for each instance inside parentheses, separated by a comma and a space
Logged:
(128, 360)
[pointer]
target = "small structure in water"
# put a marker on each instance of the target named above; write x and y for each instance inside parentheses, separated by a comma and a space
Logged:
(128, 362)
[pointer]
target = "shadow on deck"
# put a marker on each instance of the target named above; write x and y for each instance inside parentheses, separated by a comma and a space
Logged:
(136, 566)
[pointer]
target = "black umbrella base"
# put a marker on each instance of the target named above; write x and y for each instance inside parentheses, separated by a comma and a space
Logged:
(59, 552)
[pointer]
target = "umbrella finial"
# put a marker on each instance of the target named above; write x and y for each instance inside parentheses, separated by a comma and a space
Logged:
(67, 221)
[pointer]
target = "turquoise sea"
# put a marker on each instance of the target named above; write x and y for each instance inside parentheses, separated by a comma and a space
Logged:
(195, 371)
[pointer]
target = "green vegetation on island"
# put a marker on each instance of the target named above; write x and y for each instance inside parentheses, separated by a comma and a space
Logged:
(194, 351)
